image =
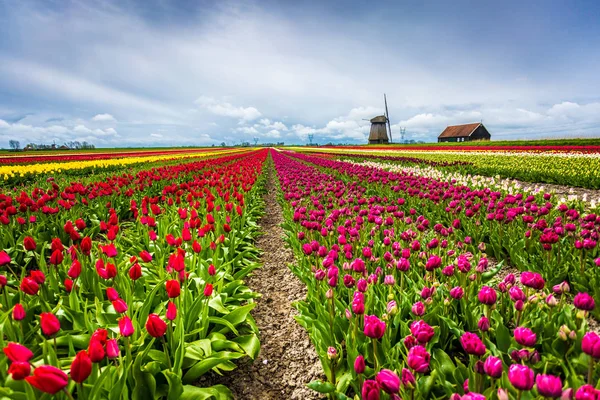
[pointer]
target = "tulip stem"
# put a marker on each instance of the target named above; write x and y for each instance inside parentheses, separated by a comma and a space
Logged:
(375, 355)
(80, 393)
(167, 352)
(5, 298)
(591, 371)
(68, 394)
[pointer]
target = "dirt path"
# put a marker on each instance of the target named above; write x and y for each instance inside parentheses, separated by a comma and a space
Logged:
(287, 360)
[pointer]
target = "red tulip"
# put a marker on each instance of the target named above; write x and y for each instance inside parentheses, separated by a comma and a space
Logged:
(56, 258)
(38, 276)
(591, 344)
(374, 327)
(75, 270)
(96, 351)
(4, 258)
(196, 247)
(208, 289)
(125, 326)
(493, 367)
(145, 256)
(472, 344)
(359, 364)
(68, 285)
(388, 381)
(3, 281)
(17, 352)
(370, 390)
(135, 272)
(100, 335)
(80, 224)
(112, 349)
(211, 270)
(29, 286)
(112, 294)
(29, 244)
(171, 311)
(110, 250)
(49, 323)
(422, 331)
(18, 313)
(120, 306)
(584, 301)
(19, 370)
(521, 376)
(81, 367)
(48, 379)
(155, 326)
(525, 336)
(418, 359)
(86, 245)
(549, 386)
(173, 288)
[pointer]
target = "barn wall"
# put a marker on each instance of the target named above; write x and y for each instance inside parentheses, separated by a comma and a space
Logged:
(481, 134)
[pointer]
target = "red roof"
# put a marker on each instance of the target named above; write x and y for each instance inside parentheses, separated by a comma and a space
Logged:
(459, 130)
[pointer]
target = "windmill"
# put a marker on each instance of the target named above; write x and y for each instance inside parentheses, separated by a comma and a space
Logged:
(310, 138)
(402, 134)
(380, 126)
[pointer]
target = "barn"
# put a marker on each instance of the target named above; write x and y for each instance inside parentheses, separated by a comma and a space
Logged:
(464, 133)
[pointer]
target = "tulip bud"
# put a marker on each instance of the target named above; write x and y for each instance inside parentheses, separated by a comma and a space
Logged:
(112, 348)
(502, 394)
(359, 364)
(331, 353)
(329, 294)
(483, 324)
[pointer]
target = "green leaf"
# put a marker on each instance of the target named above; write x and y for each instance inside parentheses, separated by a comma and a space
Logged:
(250, 344)
(217, 392)
(175, 385)
(321, 387)
(502, 338)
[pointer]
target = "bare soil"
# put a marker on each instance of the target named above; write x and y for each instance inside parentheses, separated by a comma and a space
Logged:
(287, 360)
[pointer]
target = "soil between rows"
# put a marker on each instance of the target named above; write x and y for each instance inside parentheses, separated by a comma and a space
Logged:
(287, 360)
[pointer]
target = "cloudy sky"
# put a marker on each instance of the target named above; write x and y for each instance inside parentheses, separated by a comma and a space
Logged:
(156, 73)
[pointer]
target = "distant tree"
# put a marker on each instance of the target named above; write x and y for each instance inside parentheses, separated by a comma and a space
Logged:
(14, 144)
(223, 144)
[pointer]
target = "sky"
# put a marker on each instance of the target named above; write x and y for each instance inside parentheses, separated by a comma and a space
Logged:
(195, 73)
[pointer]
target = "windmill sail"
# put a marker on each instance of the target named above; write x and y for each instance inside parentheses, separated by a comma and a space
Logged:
(387, 116)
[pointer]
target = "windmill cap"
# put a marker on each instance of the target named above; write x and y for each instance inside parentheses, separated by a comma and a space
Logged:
(379, 119)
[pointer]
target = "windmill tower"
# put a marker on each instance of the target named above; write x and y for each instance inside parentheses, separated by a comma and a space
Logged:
(402, 134)
(380, 126)
(310, 138)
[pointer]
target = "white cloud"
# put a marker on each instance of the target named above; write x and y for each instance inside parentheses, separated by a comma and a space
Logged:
(104, 118)
(226, 109)
(274, 133)
(249, 130)
(4, 124)
(156, 135)
(110, 131)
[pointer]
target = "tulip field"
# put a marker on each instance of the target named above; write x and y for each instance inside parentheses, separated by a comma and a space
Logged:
(124, 277)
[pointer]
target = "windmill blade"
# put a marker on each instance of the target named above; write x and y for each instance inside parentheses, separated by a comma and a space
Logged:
(387, 116)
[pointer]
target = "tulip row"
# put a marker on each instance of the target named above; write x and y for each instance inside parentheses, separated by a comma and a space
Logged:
(14, 172)
(85, 156)
(134, 301)
(399, 306)
(528, 231)
(566, 168)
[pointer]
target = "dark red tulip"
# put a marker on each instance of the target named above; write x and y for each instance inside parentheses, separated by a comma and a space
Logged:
(81, 367)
